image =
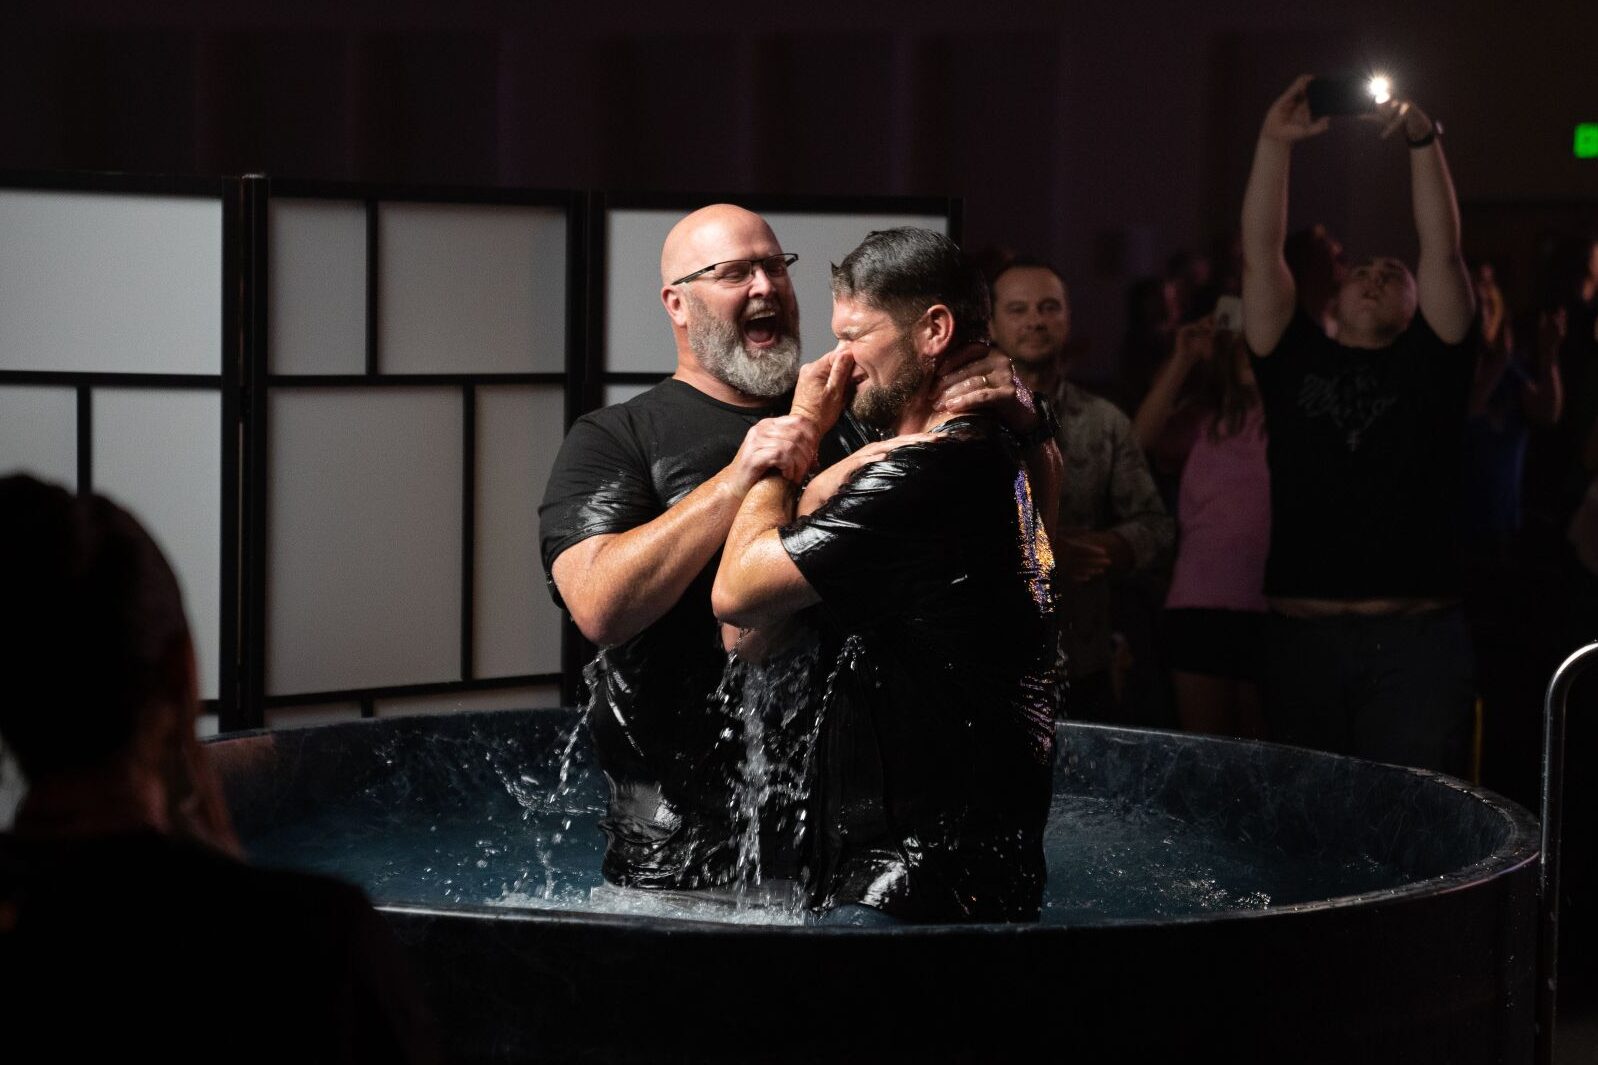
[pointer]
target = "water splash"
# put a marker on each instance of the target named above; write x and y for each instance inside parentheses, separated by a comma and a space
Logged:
(771, 704)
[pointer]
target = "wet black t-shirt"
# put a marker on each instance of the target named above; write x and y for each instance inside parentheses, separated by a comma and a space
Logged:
(1366, 455)
(938, 732)
(665, 741)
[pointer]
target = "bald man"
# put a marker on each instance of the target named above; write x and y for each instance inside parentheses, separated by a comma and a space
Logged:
(633, 520)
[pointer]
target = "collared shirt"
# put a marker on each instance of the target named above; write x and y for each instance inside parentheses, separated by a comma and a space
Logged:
(1107, 487)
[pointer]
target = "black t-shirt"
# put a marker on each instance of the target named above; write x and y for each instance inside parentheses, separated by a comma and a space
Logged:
(1366, 463)
(669, 746)
(938, 733)
(146, 947)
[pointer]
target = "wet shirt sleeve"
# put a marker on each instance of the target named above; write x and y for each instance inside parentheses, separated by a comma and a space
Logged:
(600, 484)
(866, 550)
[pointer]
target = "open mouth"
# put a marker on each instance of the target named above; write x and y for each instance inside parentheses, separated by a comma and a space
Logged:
(762, 330)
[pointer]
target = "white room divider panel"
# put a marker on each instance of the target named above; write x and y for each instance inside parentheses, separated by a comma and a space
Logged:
(159, 454)
(317, 280)
(38, 433)
(114, 325)
(472, 288)
(110, 282)
(418, 390)
(364, 538)
(518, 628)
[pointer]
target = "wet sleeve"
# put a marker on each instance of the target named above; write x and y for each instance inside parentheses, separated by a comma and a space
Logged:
(1136, 512)
(600, 484)
(866, 549)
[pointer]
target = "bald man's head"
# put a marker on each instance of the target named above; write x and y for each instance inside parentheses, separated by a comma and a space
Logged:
(744, 333)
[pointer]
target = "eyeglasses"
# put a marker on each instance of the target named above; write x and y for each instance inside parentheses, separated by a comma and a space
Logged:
(739, 271)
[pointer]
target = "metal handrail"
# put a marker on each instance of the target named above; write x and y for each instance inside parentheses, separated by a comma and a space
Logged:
(1554, 707)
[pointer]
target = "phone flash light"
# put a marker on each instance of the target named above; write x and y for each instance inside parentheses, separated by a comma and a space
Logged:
(1381, 89)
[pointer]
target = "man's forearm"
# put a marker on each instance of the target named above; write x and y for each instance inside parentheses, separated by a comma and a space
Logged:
(1265, 202)
(757, 583)
(1442, 281)
(615, 586)
(1268, 289)
(1436, 211)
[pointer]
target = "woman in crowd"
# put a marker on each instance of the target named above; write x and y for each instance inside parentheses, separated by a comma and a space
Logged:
(1215, 611)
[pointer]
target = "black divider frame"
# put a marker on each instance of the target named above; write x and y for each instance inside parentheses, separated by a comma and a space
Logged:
(255, 701)
(227, 192)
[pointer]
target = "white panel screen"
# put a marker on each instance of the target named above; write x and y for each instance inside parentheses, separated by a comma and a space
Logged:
(363, 538)
(614, 394)
(317, 257)
(39, 434)
(540, 695)
(516, 625)
(110, 282)
(471, 289)
(637, 333)
(159, 454)
(307, 716)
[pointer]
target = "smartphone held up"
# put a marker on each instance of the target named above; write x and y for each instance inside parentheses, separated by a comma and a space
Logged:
(1347, 94)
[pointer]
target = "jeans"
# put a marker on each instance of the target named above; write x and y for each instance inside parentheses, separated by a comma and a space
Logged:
(1397, 689)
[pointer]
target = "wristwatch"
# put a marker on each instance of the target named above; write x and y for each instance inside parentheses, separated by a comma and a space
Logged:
(1429, 136)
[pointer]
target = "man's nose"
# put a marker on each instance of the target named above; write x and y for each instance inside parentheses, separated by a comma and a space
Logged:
(760, 283)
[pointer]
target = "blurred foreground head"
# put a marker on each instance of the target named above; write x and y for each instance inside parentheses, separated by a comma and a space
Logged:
(94, 647)
(97, 683)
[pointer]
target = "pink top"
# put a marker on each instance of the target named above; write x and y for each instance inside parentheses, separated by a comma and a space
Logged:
(1223, 514)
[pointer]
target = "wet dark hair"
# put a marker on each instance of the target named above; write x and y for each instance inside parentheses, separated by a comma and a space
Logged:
(92, 632)
(906, 270)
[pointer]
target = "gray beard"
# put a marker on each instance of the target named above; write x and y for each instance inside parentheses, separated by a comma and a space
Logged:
(720, 347)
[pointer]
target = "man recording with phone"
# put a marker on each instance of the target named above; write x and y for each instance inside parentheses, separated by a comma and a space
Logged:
(1367, 648)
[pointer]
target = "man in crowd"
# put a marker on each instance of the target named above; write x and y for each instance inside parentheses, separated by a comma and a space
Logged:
(128, 925)
(635, 513)
(1111, 519)
(1367, 648)
(932, 574)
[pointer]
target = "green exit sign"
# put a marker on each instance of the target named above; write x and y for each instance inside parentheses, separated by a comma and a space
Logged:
(1587, 140)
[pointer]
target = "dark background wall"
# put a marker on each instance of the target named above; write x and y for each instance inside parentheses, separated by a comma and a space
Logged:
(1102, 135)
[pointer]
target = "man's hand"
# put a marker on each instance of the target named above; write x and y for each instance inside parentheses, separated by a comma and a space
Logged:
(823, 389)
(1084, 556)
(1288, 120)
(1395, 114)
(787, 445)
(1195, 342)
(983, 378)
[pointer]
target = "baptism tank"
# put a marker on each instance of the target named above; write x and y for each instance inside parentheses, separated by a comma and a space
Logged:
(1206, 897)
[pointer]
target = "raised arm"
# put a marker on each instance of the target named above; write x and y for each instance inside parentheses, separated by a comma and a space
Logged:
(1195, 342)
(1442, 279)
(1269, 294)
(616, 585)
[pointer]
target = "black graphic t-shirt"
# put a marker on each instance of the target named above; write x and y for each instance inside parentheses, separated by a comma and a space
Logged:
(938, 730)
(1366, 461)
(669, 747)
